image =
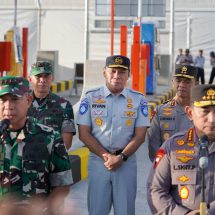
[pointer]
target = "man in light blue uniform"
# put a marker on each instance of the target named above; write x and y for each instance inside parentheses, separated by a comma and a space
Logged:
(112, 123)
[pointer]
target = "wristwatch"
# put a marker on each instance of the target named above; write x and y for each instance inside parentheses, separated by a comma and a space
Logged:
(123, 156)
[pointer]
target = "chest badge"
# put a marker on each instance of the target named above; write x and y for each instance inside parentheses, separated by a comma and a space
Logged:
(184, 192)
(191, 144)
(183, 178)
(129, 122)
(129, 100)
(98, 121)
(180, 142)
(166, 125)
(129, 106)
(184, 159)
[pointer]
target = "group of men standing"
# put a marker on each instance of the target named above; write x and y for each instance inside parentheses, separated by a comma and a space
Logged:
(174, 182)
(112, 122)
(199, 62)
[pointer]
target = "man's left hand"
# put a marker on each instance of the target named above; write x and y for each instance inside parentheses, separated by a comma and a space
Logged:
(112, 162)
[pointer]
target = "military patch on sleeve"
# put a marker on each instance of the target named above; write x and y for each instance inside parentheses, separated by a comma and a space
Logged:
(144, 107)
(84, 106)
(159, 156)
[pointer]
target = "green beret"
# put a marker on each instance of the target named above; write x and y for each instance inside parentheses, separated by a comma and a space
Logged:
(203, 95)
(14, 85)
(118, 61)
(41, 67)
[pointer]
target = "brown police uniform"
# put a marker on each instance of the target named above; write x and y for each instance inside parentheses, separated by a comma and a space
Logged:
(174, 183)
(169, 118)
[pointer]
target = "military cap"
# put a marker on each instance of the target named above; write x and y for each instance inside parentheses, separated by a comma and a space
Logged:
(186, 71)
(203, 95)
(14, 85)
(116, 61)
(41, 67)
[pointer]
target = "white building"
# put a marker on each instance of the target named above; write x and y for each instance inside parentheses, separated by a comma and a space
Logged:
(61, 25)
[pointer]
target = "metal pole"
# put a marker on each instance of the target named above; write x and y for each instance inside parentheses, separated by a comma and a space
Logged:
(39, 7)
(15, 13)
(139, 11)
(188, 30)
(86, 33)
(171, 37)
(112, 29)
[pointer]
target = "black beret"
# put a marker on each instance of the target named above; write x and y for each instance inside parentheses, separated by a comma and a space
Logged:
(185, 71)
(118, 61)
(203, 95)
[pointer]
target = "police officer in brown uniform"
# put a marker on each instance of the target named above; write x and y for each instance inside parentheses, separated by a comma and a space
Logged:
(170, 117)
(174, 183)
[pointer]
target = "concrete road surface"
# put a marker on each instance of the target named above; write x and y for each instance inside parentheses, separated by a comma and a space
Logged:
(78, 192)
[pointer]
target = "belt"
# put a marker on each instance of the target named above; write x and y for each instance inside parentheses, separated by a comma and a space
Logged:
(117, 152)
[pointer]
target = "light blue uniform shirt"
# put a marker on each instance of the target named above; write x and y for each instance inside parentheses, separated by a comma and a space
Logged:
(113, 118)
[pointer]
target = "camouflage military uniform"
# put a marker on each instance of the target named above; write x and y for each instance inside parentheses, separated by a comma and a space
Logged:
(169, 119)
(30, 163)
(55, 112)
(33, 158)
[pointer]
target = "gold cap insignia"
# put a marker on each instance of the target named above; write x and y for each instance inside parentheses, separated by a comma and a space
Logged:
(184, 70)
(118, 60)
(210, 95)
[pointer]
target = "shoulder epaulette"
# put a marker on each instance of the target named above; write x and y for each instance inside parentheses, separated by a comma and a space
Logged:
(165, 102)
(134, 91)
(92, 90)
(171, 102)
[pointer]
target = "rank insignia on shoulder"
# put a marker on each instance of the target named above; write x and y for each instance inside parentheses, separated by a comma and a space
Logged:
(160, 154)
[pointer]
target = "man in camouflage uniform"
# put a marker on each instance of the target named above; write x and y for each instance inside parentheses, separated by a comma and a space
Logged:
(48, 108)
(174, 183)
(33, 158)
(170, 117)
